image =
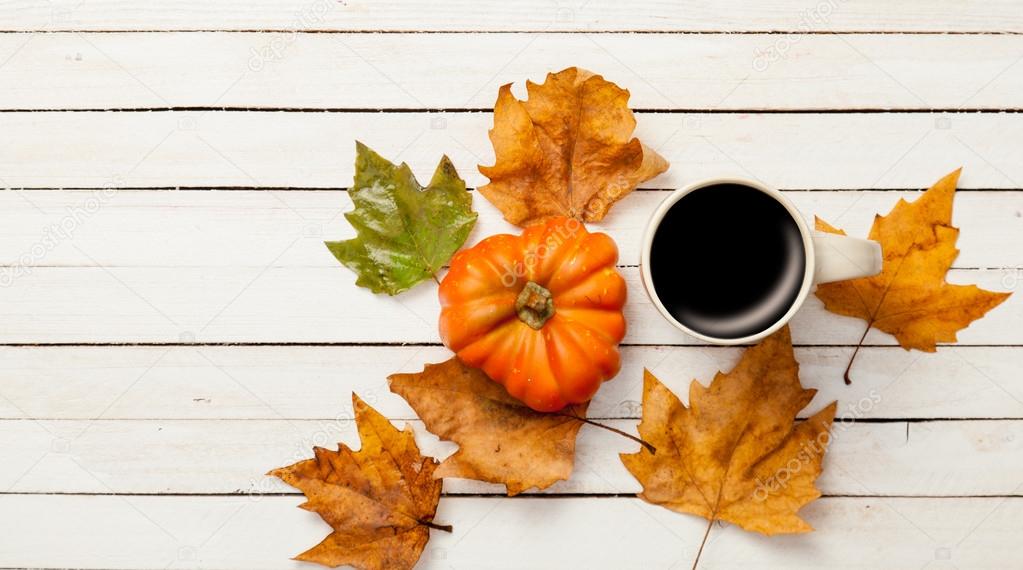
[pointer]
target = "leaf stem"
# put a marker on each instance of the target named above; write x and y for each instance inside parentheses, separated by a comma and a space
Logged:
(649, 447)
(435, 526)
(710, 523)
(845, 376)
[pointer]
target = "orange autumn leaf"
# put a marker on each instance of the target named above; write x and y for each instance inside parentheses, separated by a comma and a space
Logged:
(500, 439)
(567, 150)
(910, 299)
(379, 500)
(736, 454)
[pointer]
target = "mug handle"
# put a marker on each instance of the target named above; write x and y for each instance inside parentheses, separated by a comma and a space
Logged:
(838, 257)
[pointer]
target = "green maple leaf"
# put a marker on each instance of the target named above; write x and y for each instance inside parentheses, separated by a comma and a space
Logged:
(405, 233)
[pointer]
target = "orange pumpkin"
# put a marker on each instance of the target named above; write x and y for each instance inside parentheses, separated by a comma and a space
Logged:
(540, 312)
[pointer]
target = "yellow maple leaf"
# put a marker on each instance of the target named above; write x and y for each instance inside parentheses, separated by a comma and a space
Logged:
(910, 298)
(736, 454)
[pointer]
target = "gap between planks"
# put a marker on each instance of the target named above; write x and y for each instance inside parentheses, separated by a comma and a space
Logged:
(370, 344)
(470, 110)
(496, 495)
(215, 188)
(708, 32)
(848, 420)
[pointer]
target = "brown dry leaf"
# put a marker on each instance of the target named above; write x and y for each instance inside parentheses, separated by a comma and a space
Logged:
(735, 454)
(910, 298)
(500, 439)
(379, 500)
(566, 150)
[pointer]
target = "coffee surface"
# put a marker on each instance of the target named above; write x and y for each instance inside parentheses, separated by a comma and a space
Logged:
(727, 261)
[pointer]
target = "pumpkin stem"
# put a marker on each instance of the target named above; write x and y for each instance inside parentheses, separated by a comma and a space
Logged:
(535, 305)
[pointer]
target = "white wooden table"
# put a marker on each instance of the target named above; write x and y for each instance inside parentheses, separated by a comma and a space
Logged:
(173, 327)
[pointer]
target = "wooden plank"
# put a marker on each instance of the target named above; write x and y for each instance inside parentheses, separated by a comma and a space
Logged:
(315, 382)
(244, 533)
(250, 228)
(310, 304)
(417, 71)
(531, 15)
(937, 458)
(855, 151)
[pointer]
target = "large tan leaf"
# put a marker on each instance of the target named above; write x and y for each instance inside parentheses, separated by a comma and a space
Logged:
(910, 299)
(500, 439)
(565, 151)
(379, 500)
(736, 453)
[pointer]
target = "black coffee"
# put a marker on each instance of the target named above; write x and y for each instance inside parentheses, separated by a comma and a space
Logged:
(727, 261)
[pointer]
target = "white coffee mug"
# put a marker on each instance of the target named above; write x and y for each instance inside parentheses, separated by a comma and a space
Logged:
(828, 257)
